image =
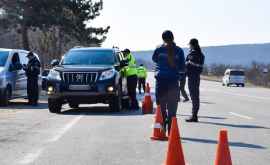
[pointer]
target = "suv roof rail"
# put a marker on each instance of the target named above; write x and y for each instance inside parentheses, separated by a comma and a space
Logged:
(78, 46)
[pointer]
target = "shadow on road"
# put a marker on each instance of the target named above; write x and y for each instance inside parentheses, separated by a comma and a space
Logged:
(99, 111)
(207, 102)
(24, 105)
(206, 117)
(233, 144)
(235, 125)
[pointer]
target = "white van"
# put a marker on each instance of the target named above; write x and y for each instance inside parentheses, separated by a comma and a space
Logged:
(234, 77)
(13, 81)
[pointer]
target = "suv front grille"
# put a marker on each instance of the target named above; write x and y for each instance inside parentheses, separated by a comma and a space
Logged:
(80, 78)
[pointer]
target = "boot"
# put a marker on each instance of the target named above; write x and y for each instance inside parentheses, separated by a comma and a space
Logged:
(194, 118)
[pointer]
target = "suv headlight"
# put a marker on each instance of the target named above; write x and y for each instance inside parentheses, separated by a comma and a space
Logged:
(54, 75)
(108, 74)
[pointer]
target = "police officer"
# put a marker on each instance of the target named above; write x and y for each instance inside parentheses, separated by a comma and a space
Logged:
(32, 70)
(130, 72)
(182, 87)
(142, 75)
(170, 61)
(194, 65)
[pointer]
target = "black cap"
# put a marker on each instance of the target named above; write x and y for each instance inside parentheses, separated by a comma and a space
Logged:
(126, 51)
(30, 54)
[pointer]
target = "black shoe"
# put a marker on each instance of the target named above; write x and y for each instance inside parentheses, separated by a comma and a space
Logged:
(185, 100)
(192, 119)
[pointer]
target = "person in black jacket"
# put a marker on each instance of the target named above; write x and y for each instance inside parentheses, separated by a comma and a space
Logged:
(194, 66)
(32, 70)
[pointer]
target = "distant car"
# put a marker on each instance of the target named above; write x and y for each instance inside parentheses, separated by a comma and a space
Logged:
(13, 81)
(234, 77)
(87, 76)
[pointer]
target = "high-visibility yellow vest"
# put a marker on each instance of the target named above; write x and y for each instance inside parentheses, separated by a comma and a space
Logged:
(131, 69)
(141, 72)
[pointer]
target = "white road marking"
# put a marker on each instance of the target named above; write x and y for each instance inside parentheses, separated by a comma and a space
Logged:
(65, 129)
(242, 116)
(31, 157)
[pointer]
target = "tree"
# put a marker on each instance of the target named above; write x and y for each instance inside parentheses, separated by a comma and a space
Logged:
(69, 16)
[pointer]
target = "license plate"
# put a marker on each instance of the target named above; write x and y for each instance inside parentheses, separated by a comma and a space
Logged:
(79, 87)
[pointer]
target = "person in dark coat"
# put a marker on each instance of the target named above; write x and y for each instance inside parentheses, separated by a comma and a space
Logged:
(32, 70)
(170, 62)
(194, 65)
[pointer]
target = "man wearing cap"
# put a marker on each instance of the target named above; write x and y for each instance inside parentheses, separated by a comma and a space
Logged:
(130, 72)
(32, 70)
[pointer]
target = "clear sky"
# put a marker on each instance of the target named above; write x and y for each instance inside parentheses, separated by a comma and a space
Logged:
(138, 24)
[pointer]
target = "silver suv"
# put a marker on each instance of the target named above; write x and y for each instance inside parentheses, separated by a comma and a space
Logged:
(13, 81)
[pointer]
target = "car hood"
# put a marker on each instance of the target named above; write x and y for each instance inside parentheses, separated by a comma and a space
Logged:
(76, 68)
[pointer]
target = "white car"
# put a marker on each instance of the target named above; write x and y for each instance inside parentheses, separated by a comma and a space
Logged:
(234, 77)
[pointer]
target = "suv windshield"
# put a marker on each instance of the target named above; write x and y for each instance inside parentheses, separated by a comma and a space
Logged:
(237, 73)
(89, 57)
(3, 57)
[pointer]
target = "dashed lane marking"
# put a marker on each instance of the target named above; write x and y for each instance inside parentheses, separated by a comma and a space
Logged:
(65, 129)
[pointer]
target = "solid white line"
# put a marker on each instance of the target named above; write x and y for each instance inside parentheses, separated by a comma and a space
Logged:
(242, 116)
(65, 129)
(31, 157)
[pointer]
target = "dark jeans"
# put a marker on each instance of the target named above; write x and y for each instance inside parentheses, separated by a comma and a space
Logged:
(167, 95)
(32, 90)
(141, 84)
(132, 86)
(194, 90)
(182, 88)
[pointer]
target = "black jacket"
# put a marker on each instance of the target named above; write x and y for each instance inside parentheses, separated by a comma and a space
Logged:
(32, 69)
(194, 63)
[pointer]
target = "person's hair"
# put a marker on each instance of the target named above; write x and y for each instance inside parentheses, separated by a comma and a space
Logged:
(195, 45)
(141, 64)
(168, 38)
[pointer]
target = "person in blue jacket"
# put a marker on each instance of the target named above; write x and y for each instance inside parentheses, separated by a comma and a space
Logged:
(170, 64)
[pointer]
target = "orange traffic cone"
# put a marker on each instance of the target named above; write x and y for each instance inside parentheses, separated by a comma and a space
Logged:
(147, 104)
(175, 155)
(159, 133)
(223, 156)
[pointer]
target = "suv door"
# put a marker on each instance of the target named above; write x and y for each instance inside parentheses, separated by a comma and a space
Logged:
(22, 79)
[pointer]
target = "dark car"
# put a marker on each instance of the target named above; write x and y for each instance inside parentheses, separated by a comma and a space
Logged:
(87, 76)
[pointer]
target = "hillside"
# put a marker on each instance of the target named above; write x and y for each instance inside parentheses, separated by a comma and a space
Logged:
(232, 54)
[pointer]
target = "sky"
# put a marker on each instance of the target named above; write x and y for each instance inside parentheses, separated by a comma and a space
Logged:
(138, 24)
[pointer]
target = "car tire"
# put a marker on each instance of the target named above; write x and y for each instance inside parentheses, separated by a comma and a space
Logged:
(243, 85)
(5, 97)
(55, 105)
(73, 105)
(116, 102)
(228, 85)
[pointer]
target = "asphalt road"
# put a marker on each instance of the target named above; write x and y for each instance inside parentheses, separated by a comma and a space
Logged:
(94, 136)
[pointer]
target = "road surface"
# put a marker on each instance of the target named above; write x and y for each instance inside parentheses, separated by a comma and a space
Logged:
(93, 136)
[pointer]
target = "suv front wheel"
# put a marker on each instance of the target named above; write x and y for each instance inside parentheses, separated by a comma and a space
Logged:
(55, 105)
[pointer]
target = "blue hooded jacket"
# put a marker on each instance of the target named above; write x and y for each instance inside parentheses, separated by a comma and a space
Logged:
(163, 69)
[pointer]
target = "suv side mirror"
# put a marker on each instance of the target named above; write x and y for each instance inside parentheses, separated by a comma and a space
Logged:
(55, 62)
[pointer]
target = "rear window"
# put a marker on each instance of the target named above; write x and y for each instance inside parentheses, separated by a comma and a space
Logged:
(89, 57)
(3, 57)
(237, 73)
